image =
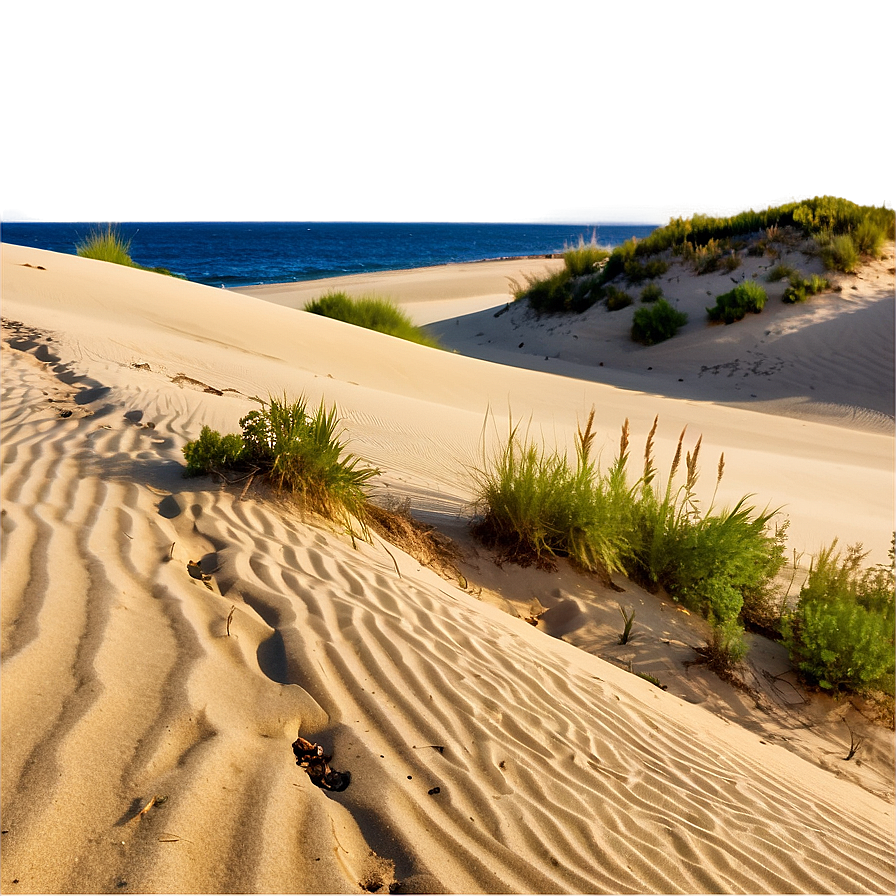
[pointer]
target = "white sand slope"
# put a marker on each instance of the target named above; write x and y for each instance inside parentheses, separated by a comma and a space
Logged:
(556, 771)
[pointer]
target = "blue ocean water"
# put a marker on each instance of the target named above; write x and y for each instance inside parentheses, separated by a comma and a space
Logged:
(243, 254)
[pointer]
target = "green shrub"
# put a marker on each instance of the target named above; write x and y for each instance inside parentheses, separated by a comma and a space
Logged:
(869, 237)
(372, 313)
(657, 323)
(637, 271)
(801, 288)
(298, 452)
(534, 505)
(779, 272)
(214, 453)
(585, 292)
(748, 296)
(653, 292)
(839, 253)
(549, 294)
(583, 259)
(616, 299)
(841, 633)
(731, 262)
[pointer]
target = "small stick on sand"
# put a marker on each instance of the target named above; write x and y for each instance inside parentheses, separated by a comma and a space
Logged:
(230, 619)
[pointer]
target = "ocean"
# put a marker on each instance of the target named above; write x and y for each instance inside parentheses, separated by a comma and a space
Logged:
(249, 253)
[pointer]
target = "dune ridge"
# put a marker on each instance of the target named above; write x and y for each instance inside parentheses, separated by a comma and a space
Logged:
(556, 771)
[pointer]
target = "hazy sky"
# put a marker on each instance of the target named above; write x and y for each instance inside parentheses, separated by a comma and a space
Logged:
(575, 112)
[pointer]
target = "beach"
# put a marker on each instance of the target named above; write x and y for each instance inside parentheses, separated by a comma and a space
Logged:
(149, 711)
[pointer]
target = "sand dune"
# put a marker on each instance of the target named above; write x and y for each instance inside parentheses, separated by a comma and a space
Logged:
(486, 755)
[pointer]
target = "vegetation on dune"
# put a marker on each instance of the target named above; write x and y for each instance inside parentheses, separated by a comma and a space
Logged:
(297, 451)
(801, 288)
(534, 505)
(372, 313)
(107, 244)
(657, 323)
(585, 258)
(746, 297)
(841, 232)
(653, 292)
(841, 633)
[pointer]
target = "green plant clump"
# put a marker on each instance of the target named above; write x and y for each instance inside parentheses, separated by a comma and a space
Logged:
(109, 245)
(746, 297)
(653, 292)
(616, 298)
(779, 272)
(549, 294)
(584, 259)
(841, 633)
(656, 324)
(297, 451)
(802, 288)
(372, 313)
(535, 506)
(839, 252)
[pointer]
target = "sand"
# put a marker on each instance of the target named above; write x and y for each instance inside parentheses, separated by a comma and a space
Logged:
(487, 754)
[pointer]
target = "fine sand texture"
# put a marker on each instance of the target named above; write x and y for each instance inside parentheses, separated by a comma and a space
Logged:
(149, 705)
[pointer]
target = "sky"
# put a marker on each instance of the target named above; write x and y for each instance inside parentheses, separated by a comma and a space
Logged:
(567, 112)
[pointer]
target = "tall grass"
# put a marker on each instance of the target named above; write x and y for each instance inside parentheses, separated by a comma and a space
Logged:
(584, 259)
(747, 297)
(535, 505)
(106, 245)
(372, 313)
(298, 451)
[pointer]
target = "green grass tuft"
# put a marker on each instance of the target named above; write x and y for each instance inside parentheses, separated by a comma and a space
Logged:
(585, 258)
(731, 306)
(297, 451)
(802, 288)
(106, 245)
(653, 292)
(656, 324)
(371, 313)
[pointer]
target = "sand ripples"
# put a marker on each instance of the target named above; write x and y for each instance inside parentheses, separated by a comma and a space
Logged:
(485, 756)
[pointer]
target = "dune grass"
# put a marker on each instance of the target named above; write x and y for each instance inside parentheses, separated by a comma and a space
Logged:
(107, 244)
(734, 305)
(585, 258)
(535, 505)
(297, 451)
(372, 313)
(657, 323)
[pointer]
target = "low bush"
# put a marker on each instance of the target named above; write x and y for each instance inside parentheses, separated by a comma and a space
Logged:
(839, 253)
(637, 271)
(653, 292)
(731, 262)
(372, 313)
(616, 298)
(214, 453)
(584, 259)
(869, 237)
(780, 272)
(731, 306)
(841, 633)
(296, 451)
(657, 323)
(802, 288)
(549, 294)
